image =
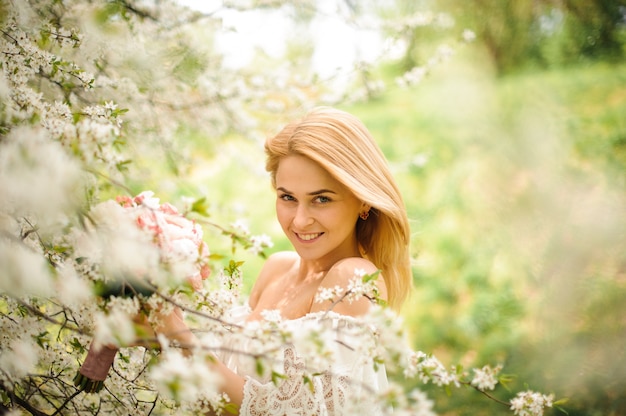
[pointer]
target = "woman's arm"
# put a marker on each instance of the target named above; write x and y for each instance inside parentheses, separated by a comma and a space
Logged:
(174, 328)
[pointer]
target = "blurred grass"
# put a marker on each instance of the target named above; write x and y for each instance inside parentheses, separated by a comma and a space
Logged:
(515, 187)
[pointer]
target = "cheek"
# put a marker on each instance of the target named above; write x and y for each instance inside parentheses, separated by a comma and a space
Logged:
(282, 214)
(349, 218)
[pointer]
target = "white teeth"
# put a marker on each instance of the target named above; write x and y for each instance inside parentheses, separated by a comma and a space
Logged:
(307, 237)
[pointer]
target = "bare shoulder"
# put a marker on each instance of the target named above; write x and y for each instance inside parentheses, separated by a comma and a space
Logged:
(341, 274)
(275, 266)
(346, 269)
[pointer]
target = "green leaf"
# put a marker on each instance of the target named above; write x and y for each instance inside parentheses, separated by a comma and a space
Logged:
(259, 366)
(200, 206)
(231, 408)
(76, 344)
(233, 267)
(560, 409)
(124, 357)
(122, 165)
(309, 383)
(561, 401)
(119, 111)
(370, 277)
(41, 338)
(276, 377)
(557, 405)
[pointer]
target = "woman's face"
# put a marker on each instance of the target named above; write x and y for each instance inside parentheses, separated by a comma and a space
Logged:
(317, 213)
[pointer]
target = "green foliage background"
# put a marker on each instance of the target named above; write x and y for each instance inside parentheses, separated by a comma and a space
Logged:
(515, 185)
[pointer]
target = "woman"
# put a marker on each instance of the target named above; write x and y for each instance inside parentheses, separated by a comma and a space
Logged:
(339, 206)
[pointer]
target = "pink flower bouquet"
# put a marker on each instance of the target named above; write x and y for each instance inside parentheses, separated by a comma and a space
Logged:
(181, 249)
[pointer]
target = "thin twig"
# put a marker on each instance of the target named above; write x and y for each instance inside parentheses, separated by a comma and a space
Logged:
(68, 400)
(40, 314)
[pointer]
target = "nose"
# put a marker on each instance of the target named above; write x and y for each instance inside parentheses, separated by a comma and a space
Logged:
(302, 217)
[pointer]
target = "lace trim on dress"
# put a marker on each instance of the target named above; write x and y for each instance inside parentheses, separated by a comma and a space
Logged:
(296, 394)
(347, 386)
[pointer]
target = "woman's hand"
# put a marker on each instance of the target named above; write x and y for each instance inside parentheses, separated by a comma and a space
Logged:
(170, 324)
(145, 334)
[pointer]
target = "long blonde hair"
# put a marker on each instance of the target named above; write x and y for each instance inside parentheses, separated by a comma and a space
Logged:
(342, 145)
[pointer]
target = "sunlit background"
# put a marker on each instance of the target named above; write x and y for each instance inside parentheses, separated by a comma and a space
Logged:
(337, 44)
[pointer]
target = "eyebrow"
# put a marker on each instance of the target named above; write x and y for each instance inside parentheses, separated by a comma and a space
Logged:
(318, 192)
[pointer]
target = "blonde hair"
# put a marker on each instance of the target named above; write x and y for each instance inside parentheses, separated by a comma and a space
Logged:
(342, 145)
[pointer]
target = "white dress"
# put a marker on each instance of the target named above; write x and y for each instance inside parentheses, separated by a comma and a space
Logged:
(320, 364)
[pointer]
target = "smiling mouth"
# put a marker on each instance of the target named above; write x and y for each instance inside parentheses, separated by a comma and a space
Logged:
(308, 237)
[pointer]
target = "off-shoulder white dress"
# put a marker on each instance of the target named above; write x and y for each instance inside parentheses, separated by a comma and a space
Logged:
(321, 365)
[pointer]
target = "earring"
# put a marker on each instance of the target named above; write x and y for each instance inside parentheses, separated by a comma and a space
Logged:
(364, 215)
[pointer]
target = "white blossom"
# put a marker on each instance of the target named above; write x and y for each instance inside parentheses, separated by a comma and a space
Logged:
(325, 294)
(421, 404)
(185, 379)
(271, 315)
(259, 243)
(114, 328)
(37, 177)
(116, 244)
(316, 343)
(486, 378)
(18, 359)
(241, 227)
(24, 271)
(468, 35)
(69, 287)
(530, 403)
(429, 369)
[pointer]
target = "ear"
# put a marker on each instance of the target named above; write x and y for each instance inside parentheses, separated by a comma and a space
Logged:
(365, 207)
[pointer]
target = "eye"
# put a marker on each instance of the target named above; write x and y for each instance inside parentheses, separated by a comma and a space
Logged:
(286, 197)
(321, 199)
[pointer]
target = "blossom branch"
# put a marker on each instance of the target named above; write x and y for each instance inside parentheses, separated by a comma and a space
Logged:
(42, 315)
(192, 311)
(486, 393)
(21, 402)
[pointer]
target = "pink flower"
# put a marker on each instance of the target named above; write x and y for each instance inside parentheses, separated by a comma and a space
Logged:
(179, 240)
(169, 209)
(124, 200)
